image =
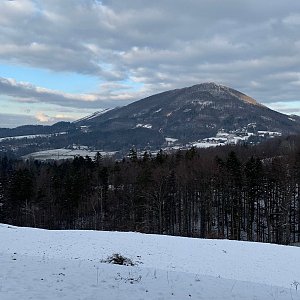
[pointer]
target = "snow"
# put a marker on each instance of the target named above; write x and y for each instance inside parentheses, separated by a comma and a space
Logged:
(237, 139)
(42, 264)
(62, 153)
(202, 103)
(206, 144)
(171, 140)
(94, 115)
(271, 133)
(148, 126)
(222, 134)
(31, 136)
(223, 138)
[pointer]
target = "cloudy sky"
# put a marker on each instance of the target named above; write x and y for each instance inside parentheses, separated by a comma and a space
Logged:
(61, 60)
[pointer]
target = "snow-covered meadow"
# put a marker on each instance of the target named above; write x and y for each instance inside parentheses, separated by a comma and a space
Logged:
(62, 153)
(43, 264)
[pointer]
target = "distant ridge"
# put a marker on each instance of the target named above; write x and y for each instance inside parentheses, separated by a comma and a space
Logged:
(177, 117)
(187, 114)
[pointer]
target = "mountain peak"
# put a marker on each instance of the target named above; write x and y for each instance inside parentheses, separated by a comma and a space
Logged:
(186, 114)
(183, 116)
(206, 86)
(211, 84)
(219, 90)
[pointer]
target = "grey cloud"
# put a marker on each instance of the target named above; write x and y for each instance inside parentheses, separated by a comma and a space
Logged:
(249, 45)
(13, 120)
(28, 93)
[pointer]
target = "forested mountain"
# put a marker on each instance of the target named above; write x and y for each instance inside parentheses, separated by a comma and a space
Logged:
(183, 116)
(190, 114)
(35, 129)
(238, 192)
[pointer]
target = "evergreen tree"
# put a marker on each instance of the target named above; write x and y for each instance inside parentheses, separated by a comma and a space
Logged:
(133, 155)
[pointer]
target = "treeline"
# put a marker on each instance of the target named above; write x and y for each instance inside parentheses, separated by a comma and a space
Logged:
(235, 192)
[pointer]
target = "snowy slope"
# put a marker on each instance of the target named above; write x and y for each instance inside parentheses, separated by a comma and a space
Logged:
(41, 264)
(93, 115)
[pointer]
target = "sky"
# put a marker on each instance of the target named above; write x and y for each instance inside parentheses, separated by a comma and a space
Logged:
(62, 60)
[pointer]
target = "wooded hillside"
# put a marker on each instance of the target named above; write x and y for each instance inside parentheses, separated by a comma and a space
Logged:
(235, 192)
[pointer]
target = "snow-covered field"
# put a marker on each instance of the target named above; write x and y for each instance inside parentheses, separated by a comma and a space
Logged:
(42, 264)
(20, 137)
(57, 154)
(30, 136)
